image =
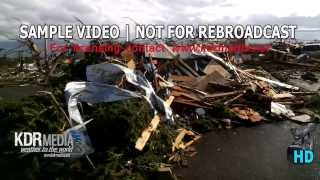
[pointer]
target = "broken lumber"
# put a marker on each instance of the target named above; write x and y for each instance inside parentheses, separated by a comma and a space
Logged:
(225, 94)
(233, 99)
(146, 133)
(179, 144)
(236, 70)
(185, 65)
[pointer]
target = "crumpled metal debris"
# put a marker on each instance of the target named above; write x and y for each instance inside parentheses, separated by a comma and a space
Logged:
(92, 92)
(103, 73)
(98, 91)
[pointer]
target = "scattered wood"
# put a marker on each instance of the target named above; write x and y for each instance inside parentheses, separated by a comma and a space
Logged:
(179, 144)
(233, 99)
(283, 95)
(217, 95)
(146, 133)
(247, 113)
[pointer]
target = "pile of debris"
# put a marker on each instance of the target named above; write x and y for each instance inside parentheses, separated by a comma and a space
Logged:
(141, 113)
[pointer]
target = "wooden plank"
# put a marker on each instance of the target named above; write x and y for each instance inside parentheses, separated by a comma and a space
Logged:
(178, 139)
(186, 95)
(179, 144)
(190, 103)
(196, 138)
(174, 55)
(225, 94)
(131, 64)
(141, 142)
(188, 67)
(233, 99)
(184, 70)
(169, 101)
(146, 133)
(282, 96)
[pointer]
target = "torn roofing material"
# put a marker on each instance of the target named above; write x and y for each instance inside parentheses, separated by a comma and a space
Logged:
(97, 90)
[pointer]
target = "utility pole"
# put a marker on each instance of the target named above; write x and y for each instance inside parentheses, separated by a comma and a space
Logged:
(20, 58)
(46, 53)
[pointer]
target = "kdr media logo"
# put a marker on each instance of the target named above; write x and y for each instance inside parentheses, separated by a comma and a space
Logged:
(72, 143)
(51, 145)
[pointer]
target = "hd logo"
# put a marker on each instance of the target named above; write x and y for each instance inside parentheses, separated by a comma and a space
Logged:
(300, 156)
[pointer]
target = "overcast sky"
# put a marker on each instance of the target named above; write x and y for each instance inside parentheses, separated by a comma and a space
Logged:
(304, 13)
